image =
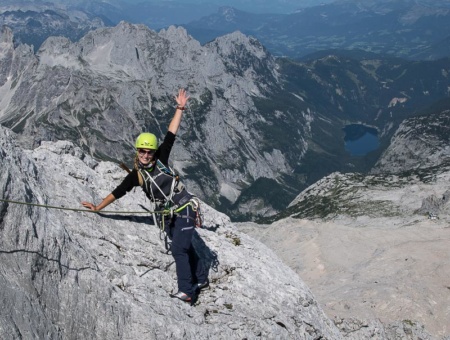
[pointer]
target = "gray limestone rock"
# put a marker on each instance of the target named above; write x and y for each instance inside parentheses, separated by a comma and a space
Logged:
(434, 205)
(373, 329)
(419, 143)
(68, 274)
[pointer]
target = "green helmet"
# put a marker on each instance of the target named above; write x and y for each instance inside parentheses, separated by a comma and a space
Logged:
(147, 140)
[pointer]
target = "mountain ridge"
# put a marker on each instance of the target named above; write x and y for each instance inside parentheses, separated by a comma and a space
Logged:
(256, 123)
(110, 85)
(393, 27)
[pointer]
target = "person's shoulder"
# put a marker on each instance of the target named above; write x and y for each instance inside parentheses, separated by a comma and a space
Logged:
(132, 172)
(132, 175)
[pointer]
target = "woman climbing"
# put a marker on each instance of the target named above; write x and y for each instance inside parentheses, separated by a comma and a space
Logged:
(151, 171)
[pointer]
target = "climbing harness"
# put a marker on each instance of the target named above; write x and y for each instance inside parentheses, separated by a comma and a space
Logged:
(166, 177)
(149, 181)
(168, 213)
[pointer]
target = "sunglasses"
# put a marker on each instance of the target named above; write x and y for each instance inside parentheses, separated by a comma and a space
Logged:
(146, 152)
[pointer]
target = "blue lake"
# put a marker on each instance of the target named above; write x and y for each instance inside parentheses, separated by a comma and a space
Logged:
(360, 139)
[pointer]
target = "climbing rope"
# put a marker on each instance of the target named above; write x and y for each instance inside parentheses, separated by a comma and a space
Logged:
(83, 210)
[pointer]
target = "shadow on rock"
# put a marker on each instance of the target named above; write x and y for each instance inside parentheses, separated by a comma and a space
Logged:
(209, 257)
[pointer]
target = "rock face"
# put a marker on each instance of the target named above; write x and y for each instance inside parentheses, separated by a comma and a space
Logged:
(254, 125)
(78, 275)
(102, 91)
(420, 142)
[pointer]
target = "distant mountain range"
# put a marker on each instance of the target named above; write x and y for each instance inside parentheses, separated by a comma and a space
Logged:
(278, 111)
(402, 28)
(175, 8)
(411, 29)
(33, 24)
(261, 129)
(154, 13)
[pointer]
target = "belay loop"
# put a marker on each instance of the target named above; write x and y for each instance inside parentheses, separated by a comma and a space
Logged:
(160, 222)
(194, 203)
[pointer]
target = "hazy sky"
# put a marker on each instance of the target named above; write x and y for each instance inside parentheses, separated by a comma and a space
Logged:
(256, 6)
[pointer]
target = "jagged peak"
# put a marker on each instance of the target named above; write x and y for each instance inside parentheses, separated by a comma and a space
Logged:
(236, 36)
(179, 35)
(6, 36)
(56, 45)
(123, 28)
(129, 27)
(228, 44)
(229, 13)
(174, 31)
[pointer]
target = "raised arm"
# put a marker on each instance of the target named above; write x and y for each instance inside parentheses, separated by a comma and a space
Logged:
(181, 100)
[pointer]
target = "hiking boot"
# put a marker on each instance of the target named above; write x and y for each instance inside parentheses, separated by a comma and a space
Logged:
(182, 296)
(200, 286)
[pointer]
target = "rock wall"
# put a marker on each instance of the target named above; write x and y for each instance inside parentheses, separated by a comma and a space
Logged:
(79, 275)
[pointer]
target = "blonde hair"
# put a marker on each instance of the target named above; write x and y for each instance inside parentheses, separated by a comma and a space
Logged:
(136, 162)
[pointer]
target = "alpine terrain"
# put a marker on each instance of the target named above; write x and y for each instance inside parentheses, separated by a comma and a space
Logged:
(376, 246)
(260, 129)
(68, 274)
(78, 275)
(262, 140)
(412, 29)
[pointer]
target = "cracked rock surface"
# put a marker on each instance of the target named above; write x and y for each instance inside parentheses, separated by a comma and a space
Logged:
(78, 275)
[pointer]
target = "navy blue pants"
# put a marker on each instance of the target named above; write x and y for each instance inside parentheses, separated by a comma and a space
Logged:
(189, 267)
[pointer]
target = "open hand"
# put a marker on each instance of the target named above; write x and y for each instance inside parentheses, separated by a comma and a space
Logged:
(182, 97)
(89, 205)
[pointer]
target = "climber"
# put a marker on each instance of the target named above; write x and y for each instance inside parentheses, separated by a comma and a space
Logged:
(152, 172)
